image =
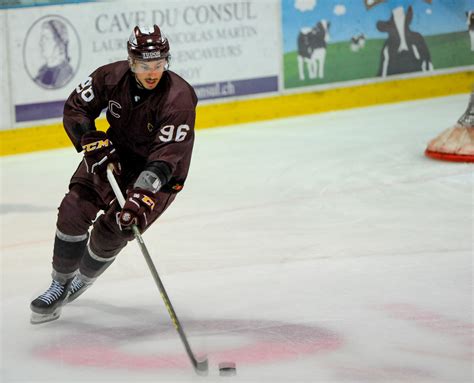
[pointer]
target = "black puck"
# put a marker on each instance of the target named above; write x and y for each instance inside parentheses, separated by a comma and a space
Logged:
(227, 369)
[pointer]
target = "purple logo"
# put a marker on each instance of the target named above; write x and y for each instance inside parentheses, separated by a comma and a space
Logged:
(51, 52)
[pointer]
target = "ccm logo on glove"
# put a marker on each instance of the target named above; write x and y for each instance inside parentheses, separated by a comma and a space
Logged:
(99, 152)
(96, 145)
(144, 199)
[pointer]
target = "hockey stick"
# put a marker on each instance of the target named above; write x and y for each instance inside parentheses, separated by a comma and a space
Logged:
(201, 367)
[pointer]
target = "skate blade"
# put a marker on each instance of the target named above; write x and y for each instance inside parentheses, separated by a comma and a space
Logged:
(37, 318)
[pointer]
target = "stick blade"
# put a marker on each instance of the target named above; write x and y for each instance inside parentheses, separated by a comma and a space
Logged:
(202, 367)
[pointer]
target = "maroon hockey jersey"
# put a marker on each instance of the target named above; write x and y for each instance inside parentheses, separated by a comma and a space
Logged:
(161, 128)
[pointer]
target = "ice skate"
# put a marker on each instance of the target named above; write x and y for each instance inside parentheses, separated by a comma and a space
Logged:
(76, 288)
(47, 307)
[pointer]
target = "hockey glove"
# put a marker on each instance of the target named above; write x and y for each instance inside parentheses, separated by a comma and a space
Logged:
(99, 152)
(138, 205)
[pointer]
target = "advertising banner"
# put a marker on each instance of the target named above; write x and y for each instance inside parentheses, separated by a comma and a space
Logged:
(5, 103)
(224, 49)
(329, 41)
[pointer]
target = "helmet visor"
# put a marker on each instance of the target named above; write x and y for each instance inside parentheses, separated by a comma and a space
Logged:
(140, 66)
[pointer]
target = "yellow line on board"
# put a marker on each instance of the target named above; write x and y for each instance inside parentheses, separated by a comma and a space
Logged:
(334, 99)
(45, 137)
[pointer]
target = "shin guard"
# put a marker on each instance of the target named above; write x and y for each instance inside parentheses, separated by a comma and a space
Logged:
(68, 251)
(93, 265)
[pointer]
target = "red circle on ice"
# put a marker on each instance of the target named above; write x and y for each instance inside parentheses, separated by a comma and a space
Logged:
(265, 342)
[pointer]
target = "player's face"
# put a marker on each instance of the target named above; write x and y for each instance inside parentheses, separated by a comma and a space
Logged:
(148, 73)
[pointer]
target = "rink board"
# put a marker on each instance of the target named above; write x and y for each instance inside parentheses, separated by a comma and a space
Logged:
(52, 136)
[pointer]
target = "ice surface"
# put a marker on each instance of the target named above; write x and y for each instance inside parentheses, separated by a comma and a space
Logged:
(321, 248)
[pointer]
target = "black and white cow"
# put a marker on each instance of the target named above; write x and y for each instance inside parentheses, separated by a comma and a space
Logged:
(470, 27)
(357, 42)
(404, 50)
(312, 50)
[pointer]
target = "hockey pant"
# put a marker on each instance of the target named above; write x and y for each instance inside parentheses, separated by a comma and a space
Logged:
(74, 250)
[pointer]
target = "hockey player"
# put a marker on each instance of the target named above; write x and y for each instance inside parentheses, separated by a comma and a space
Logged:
(151, 112)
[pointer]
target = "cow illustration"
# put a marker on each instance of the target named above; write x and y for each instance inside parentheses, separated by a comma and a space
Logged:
(470, 27)
(404, 50)
(357, 42)
(312, 50)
